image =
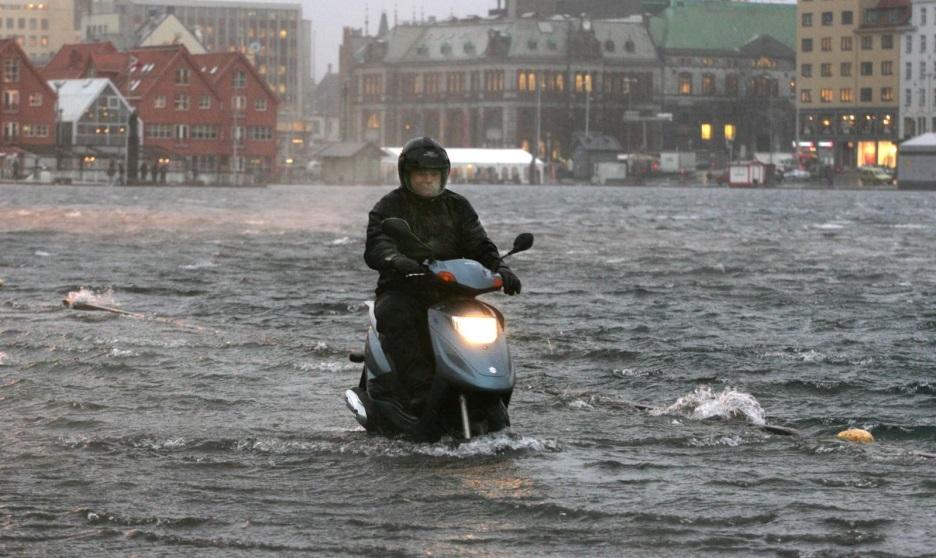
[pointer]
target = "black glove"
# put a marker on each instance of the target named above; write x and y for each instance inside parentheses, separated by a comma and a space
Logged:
(406, 266)
(511, 281)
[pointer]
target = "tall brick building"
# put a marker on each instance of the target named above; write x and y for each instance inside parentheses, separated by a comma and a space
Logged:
(27, 103)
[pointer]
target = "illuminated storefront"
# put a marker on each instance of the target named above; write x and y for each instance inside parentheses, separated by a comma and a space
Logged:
(849, 139)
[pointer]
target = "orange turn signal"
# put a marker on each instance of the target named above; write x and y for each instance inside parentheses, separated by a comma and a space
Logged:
(446, 276)
(498, 282)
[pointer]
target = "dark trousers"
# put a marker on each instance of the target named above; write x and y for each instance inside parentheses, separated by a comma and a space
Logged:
(402, 321)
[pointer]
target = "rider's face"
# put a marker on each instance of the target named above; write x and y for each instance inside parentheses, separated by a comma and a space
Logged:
(426, 182)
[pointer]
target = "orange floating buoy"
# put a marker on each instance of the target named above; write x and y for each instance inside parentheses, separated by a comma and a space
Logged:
(856, 435)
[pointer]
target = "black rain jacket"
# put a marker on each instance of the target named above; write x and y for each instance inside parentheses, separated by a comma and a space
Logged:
(447, 223)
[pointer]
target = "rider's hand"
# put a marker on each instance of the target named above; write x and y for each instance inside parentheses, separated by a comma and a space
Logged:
(407, 266)
(512, 284)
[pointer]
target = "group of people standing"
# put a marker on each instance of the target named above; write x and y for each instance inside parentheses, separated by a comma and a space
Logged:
(149, 174)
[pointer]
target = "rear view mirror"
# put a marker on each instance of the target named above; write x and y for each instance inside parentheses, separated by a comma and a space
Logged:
(524, 241)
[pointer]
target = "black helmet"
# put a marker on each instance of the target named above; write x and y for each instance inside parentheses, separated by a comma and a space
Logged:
(422, 153)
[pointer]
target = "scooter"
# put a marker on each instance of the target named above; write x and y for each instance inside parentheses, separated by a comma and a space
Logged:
(474, 374)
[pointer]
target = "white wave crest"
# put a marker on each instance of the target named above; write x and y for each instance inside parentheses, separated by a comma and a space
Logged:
(703, 404)
(84, 295)
(203, 264)
(341, 241)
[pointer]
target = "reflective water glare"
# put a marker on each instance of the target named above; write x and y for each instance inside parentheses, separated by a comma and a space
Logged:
(211, 423)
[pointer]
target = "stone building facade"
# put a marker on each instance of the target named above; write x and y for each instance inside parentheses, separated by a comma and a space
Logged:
(501, 83)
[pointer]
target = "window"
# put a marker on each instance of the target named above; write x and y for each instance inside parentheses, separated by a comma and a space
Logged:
(887, 42)
(827, 18)
(847, 17)
(846, 43)
(182, 76)
(708, 84)
(11, 70)
(204, 102)
(908, 44)
(887, 68)
(908, 71)
(583, 82)
(867, 69)
(159, 102)
(887, 94)
(36, 130)
(685, 83)
(806, 20)
(865, 94)
(922, 43)
(845, 69)
(260, 133)
(908, 96)
(237, 134)
(826, 43)
(181, 101)
(845, 95)
(260, 104)
(35, 99)
(806, 70)
(11, 100)
(204, 132)
(238, 102)
(805, 95)
(922, 15)
(181, 131)
(867, 42)
(239, 79)
(826, 70)
(731, 85)
(825, 95)
(806, 45)
(921, 100)
(10, 130)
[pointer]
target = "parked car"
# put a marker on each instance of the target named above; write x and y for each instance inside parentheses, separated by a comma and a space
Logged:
(872, 176)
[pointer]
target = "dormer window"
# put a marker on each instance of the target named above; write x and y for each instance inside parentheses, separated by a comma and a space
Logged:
(422, 50)
(609, 45)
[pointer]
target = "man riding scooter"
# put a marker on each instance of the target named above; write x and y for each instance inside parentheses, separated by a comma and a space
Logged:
(448, 223)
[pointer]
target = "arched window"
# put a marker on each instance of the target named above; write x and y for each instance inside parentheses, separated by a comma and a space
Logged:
(731, 85)
(708, 84)
(609, 45)
(521, 81)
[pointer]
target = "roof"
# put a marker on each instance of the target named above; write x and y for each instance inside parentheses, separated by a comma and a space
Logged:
(463, 40)
(922, 143)
(478, 156)
(8, 44)
(72, 60)
(343, 150)
(151, 63)
(722, 25)
(214, 65)
(238, 4)
(76, 95)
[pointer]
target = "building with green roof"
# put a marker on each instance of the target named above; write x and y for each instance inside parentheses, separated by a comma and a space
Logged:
(728, 75)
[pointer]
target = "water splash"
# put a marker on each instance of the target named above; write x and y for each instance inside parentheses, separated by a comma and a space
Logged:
(703, 404)
(84, 295)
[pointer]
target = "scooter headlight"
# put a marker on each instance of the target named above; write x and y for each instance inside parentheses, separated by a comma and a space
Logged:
(478, 330)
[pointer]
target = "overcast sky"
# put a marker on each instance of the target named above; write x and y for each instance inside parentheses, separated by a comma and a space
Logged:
(329, 17)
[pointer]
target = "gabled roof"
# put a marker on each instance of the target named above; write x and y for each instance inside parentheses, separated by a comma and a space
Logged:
(76, 95)
(722, 25)
(146, 34)
(7, 45)
(72, 61)
(216, 64)
(152, 63)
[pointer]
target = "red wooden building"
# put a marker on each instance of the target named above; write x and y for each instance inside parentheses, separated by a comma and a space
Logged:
(251, 108)
(207, 118)
(27, 108)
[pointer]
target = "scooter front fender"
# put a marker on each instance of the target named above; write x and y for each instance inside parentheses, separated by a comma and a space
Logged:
(486, 368)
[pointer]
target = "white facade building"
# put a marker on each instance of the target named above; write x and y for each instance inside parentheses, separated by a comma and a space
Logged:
(918, 72)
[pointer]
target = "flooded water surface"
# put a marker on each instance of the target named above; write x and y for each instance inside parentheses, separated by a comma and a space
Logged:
(658, 331)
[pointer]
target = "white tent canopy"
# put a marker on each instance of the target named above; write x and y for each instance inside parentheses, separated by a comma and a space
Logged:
(479, 165)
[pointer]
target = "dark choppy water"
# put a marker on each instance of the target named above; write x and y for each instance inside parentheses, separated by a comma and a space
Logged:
(215, 426)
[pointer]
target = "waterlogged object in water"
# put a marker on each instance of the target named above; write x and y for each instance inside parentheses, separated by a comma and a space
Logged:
(856, 435)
